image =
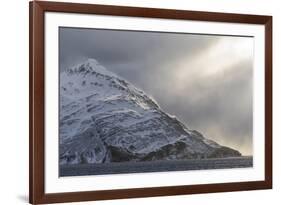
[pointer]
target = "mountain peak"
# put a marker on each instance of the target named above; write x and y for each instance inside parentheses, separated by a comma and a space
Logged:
(104, 118)
(89, 66)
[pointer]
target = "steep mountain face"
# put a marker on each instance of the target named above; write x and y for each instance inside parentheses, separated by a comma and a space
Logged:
(104, 118)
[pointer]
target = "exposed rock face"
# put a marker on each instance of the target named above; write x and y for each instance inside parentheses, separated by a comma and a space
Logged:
(104, 118)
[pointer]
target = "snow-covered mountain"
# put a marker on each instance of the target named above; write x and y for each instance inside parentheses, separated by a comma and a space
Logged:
(104, 118)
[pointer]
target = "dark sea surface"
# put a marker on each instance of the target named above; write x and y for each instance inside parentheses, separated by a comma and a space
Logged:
(155, 166)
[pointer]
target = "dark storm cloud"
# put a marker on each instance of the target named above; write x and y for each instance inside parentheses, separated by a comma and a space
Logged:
(125, 48)
(178, 71)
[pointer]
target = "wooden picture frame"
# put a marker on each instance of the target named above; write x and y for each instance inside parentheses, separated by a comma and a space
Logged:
(37, 10)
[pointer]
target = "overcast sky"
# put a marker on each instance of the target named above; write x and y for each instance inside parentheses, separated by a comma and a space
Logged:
(204, 80)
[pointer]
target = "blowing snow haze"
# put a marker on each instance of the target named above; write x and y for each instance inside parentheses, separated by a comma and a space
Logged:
(203, 80)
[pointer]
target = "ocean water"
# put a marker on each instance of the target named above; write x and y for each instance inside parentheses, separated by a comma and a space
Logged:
(155, 166)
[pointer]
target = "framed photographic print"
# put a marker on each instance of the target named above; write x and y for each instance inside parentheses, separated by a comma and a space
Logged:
(139, 102)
